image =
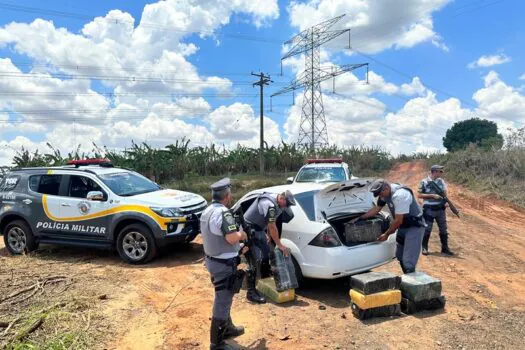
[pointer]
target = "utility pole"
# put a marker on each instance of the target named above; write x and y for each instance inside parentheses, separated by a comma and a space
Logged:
(263, 80)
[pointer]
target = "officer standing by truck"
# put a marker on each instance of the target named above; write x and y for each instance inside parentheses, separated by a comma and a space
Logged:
(408, 220)
(434, 208)
(262, 215)
(221, 239)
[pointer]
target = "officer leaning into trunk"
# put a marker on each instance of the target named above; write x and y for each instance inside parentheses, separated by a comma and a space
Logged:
(408, 220)
(221, 239)
(434, 208)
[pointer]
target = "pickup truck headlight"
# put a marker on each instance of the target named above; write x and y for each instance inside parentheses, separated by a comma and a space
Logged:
(167, 212)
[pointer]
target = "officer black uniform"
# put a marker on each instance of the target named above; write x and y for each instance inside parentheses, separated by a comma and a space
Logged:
(221, 238)
(267, 209)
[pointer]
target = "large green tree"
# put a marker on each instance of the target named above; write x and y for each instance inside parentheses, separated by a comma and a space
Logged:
(480, 132)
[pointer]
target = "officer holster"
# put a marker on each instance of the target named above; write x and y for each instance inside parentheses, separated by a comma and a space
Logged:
(233, 282)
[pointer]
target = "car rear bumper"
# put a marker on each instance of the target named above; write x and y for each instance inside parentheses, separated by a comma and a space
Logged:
(331, 263)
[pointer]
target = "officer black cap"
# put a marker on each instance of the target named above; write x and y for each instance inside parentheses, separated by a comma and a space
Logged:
(221, 185)
(436, 167)
(290, 199)
(376, 186)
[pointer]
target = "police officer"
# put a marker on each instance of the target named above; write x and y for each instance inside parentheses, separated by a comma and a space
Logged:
(408, 220)
(262, 215)
(434, 208)
(221, 239)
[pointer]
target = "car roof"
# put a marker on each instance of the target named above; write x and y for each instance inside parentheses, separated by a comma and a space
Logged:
(296, 188)
(93, 169)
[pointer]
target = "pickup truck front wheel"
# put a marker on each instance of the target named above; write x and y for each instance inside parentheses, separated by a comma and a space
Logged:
(135, 244)
(18, 238)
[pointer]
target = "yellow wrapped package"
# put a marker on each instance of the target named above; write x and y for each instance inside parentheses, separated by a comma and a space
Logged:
(364, 302)
(267, 287)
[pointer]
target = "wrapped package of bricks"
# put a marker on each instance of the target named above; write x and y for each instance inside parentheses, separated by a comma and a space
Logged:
(418, 286)
(375, 282)
(267, 287)
(363, 231)
(283, 270)
(382, 311)
(388, 297)
(409, 307)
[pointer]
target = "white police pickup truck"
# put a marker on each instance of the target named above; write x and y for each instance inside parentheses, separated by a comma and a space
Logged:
(322, 171)
(90, 203)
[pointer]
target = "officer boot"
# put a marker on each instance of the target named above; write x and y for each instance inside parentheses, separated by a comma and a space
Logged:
(232, 330)
(217, 331)
(265, 268)
(444, 246)
(252, 294)
(426, 238)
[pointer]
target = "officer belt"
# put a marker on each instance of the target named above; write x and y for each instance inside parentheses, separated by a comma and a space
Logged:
(231, 261)
(434, 206)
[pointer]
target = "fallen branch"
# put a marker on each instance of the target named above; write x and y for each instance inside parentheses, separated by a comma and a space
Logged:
(30, 330)
(11, 324)
(178, 292)
(38, 286)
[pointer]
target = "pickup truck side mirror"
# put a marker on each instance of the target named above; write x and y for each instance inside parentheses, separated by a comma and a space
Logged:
(95, 196)
(289, 180)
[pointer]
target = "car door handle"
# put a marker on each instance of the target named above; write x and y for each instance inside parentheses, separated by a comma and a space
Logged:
(27, 201)
(65, 205)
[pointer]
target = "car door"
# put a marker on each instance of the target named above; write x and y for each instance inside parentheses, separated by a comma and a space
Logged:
(83, 217)
(45, 201)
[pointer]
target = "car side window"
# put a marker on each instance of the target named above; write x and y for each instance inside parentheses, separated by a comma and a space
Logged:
(45, 184)
(80, 186)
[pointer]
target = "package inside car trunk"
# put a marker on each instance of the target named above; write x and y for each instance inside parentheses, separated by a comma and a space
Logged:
(364, 230)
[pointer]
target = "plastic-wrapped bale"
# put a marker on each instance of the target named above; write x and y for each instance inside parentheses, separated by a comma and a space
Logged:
(382, 311)
(267, 287)
(370, 301)
(418, 286)
(363, 231)
(409, 307)
(283, 271)
(375, 282)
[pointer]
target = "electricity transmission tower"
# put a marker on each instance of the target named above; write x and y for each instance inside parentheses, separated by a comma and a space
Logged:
(313, 132)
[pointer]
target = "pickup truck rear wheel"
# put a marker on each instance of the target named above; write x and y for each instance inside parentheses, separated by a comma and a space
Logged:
(136, 245)
(18, 238)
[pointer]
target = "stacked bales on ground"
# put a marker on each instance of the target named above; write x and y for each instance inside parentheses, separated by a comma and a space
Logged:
(375, 294)
(420, 292)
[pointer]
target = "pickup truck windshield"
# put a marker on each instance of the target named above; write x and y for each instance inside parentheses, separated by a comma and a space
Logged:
(127, 184)
(319, 174)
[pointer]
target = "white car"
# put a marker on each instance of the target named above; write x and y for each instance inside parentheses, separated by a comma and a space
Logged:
(322, 171)
(316, 236)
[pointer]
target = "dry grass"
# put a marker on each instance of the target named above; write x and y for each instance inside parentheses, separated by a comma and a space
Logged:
(49, 302)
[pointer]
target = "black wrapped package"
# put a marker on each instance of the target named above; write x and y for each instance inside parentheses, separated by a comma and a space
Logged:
(409, 307)
(375, 282)
(363, 230)
(283, 271)
(382, 311)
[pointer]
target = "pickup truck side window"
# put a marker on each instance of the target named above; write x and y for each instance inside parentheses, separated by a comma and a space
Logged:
(80, 186)
(45, 184)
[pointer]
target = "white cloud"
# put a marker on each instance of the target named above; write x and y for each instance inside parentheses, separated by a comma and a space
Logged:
(489, 61)
(500, 101)
(414, 88)
(376, 25)
(522, 77)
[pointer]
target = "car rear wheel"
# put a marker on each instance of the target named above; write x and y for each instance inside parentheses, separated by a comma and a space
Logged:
(18, 238)
(135, 244)
(298, 273)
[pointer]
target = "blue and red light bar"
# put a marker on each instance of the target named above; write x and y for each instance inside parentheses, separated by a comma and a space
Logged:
(327, 160)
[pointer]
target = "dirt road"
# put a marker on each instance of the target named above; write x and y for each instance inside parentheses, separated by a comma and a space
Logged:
(166, 305)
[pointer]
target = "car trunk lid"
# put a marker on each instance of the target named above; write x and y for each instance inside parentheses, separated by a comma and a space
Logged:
(344, 198)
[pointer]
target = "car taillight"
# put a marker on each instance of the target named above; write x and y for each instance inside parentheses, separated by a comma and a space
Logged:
(327, 238)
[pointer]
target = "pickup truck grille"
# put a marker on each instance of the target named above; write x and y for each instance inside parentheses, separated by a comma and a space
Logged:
(193, 209)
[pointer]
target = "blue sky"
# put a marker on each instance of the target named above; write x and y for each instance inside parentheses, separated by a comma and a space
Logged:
(434, 41)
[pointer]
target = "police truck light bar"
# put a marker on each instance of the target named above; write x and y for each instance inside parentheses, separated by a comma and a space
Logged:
(328, 160)
(95, 161)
